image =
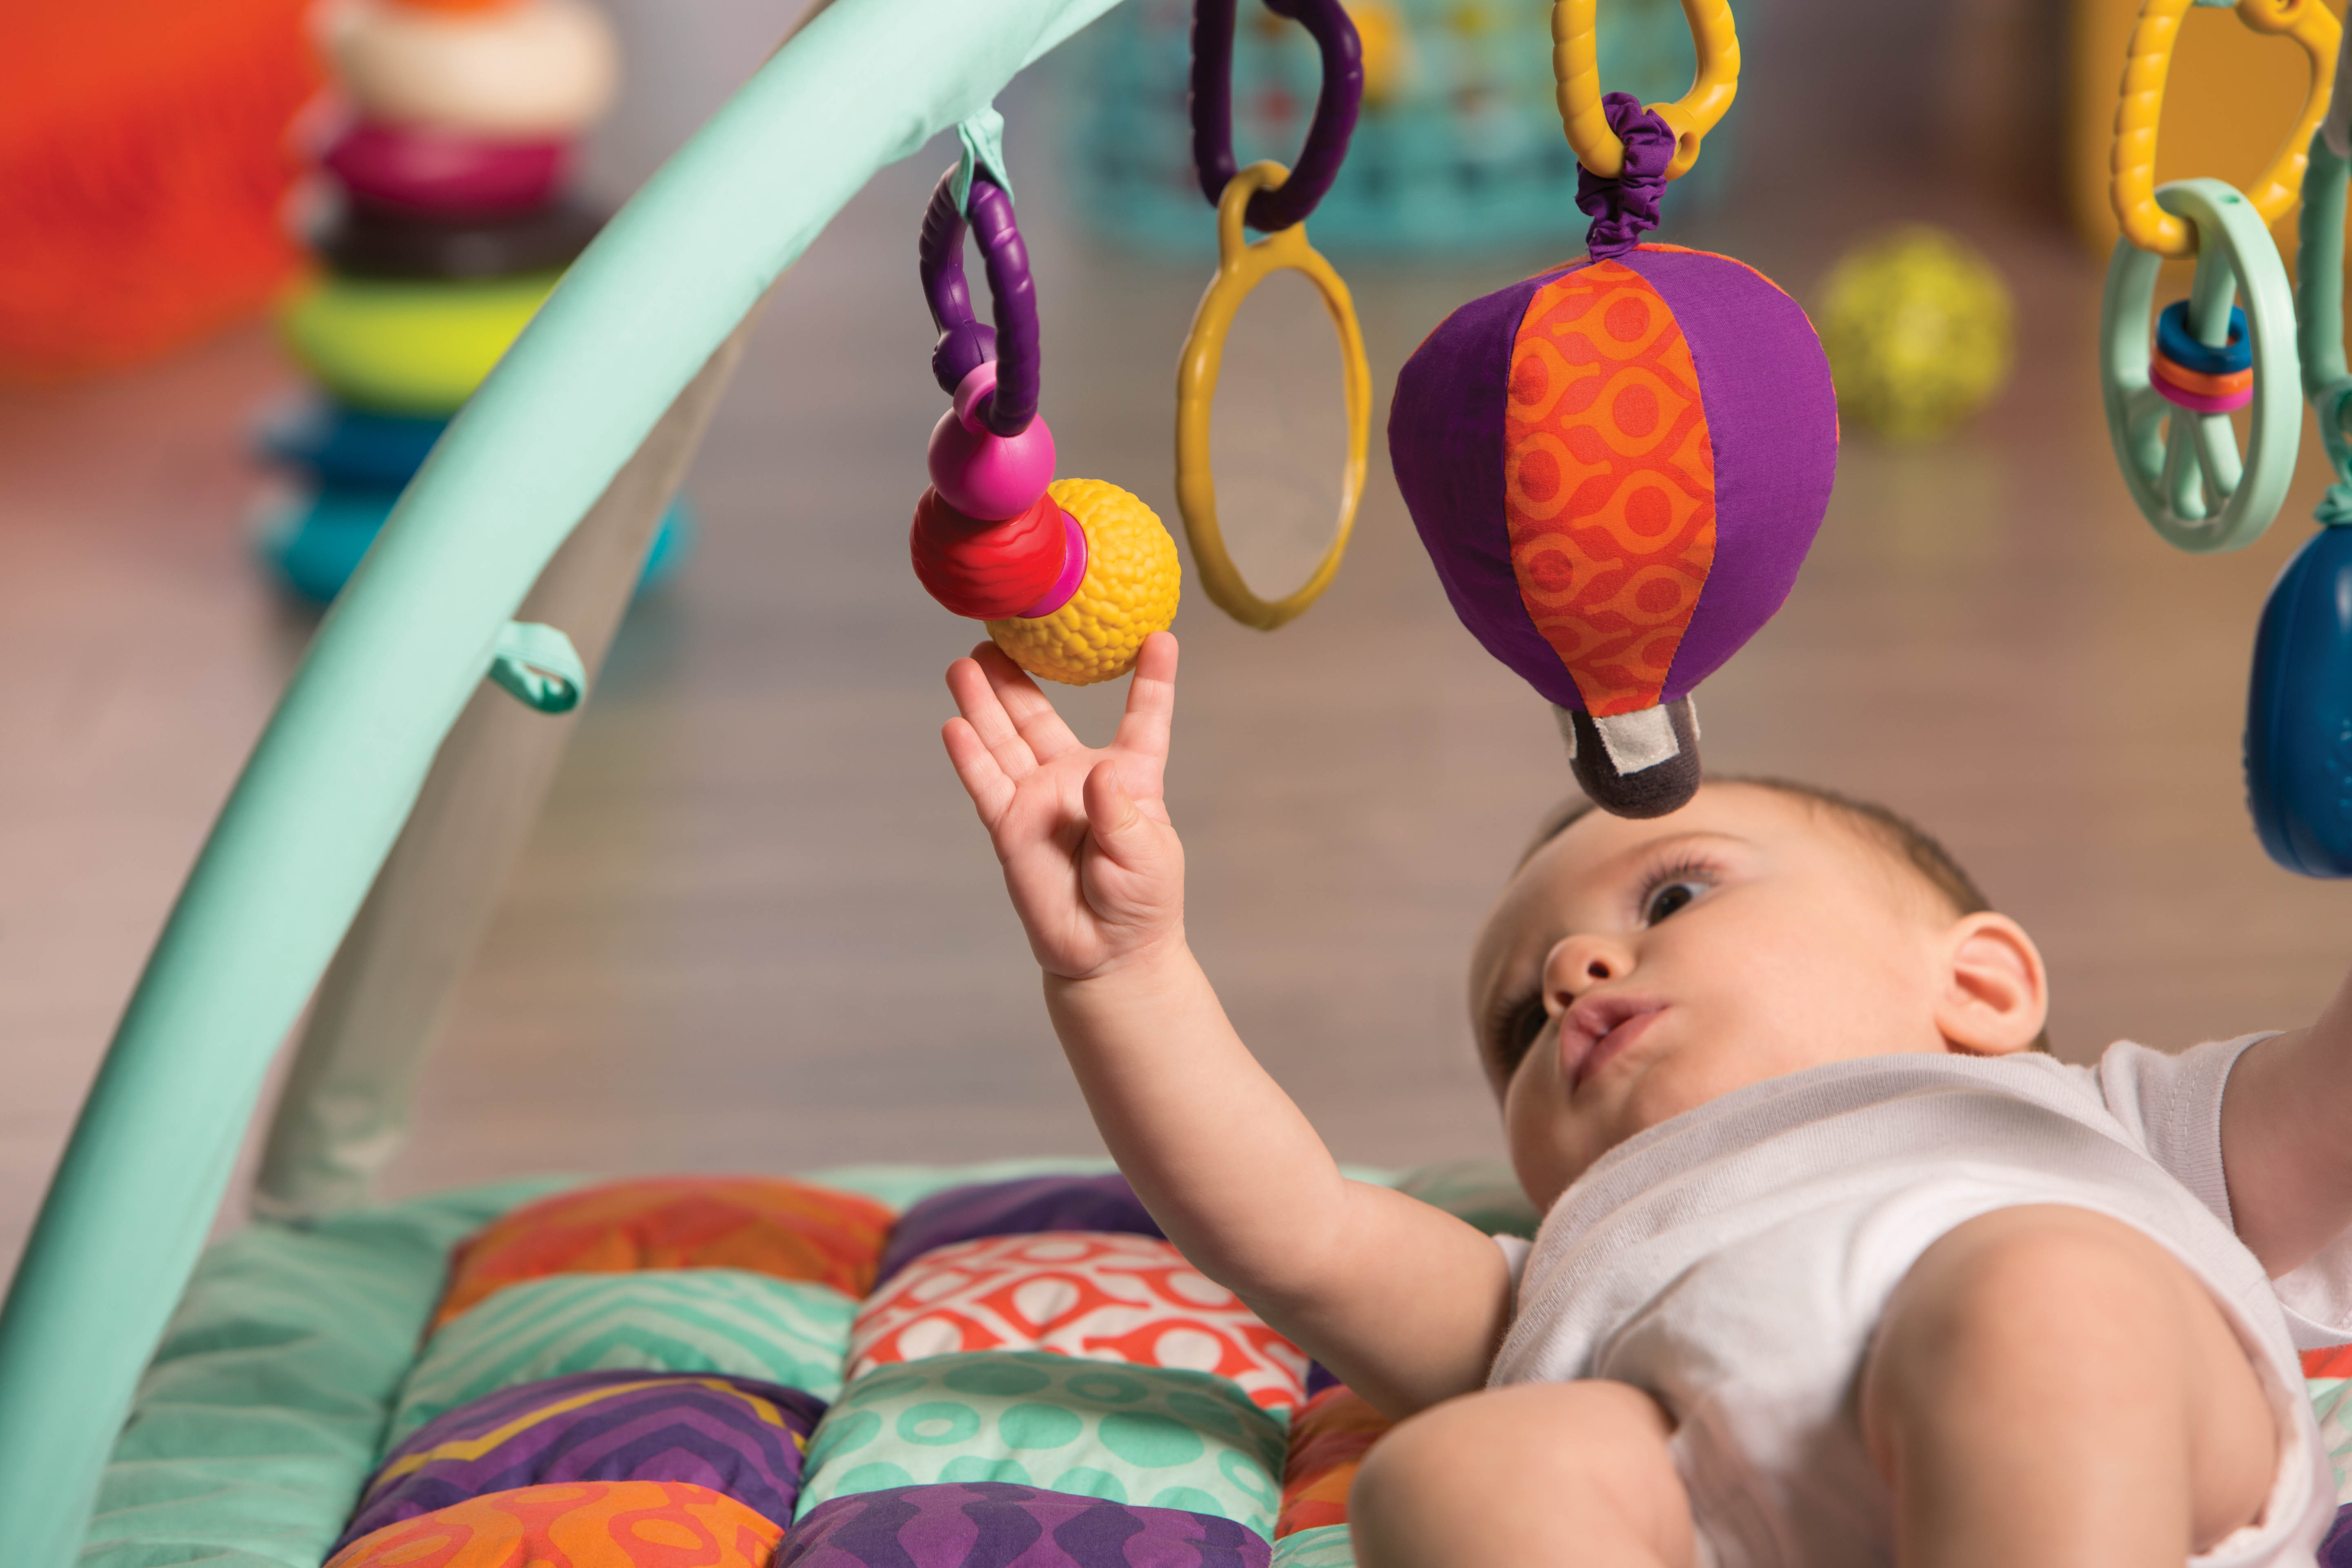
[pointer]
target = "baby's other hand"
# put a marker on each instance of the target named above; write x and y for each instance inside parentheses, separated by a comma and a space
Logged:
(1093, 864)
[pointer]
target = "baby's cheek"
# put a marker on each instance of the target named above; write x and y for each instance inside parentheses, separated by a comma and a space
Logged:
(1684, 1081)
(1543, 1139)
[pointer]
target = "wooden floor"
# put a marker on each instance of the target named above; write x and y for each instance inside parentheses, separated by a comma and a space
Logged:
(759, 927)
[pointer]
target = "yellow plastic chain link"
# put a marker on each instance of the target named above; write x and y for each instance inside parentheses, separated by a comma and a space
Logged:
(2132, 184)
(1576, 67)
(1240, 269)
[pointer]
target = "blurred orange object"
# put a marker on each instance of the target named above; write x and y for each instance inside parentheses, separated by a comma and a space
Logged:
(143, 158)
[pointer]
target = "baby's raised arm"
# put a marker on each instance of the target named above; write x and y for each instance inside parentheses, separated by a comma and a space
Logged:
(1403, 1301)
(2283, 1147)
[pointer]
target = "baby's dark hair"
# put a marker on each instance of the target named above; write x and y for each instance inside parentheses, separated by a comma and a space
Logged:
(1904, 840)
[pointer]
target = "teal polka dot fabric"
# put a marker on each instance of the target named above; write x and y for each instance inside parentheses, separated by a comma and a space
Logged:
(1153, 1436)
(675, 1319)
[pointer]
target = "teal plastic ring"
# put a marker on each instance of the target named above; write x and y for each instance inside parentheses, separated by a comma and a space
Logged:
(2183, 467)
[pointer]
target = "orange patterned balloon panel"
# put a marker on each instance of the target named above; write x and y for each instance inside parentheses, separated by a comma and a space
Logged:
(587, 1525)
(764, 1223)
(1330, 1436)
(1608, 481)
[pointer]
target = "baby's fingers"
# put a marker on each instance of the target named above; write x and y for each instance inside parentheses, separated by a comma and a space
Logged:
(1150, 708)
(991, 792)
(1133, 841)
(1028, 710)
(976, 696)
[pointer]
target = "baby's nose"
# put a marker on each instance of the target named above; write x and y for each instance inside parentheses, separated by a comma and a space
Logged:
(1581, 962)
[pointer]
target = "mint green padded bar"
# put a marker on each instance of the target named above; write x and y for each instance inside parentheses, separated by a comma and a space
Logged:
(334, 775)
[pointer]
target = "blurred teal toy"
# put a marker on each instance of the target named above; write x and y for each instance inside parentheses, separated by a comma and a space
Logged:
(315, 539)
(349, 465)
(1458, 145)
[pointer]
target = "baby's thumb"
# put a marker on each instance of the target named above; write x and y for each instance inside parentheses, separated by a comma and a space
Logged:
(1119, 830)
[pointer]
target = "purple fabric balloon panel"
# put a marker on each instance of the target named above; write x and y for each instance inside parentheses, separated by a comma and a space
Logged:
(1022, 1207)
(994, 1525)
(735, 1435)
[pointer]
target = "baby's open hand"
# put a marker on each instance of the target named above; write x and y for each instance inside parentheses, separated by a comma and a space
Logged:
(1093, 865)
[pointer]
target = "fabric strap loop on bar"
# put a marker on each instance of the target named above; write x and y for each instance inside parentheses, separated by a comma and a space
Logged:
(540, 667)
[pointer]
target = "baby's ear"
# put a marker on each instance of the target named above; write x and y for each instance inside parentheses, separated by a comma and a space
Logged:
(1995, 996)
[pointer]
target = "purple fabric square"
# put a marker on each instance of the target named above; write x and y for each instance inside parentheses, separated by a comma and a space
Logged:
(994, 1524)
(2335, 1552)
(1023, 1207)
(1771, 415)
(732, 1434)
(1446, 442)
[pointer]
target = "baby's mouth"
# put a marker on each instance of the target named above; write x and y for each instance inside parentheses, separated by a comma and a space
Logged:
(1599, 1028)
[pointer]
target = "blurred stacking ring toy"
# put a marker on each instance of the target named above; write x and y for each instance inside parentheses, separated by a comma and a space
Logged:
(2299, 707)
(1276, 202)
(444, 225)
(2170, 395)
(1619, 464)
(1070, 575)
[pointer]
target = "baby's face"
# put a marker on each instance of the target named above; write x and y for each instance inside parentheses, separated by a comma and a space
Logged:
(1635, 970)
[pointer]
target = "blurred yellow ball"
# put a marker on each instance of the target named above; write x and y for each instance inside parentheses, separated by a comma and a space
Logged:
(1916, 325)
(1129, 591)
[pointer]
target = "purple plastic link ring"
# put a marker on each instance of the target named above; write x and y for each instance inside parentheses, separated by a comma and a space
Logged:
(964, 343)
(1327, 135)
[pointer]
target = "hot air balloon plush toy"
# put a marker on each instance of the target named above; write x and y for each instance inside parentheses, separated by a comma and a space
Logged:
(1618, 465)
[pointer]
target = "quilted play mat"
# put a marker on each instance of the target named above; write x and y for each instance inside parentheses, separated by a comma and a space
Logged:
(868, 1368)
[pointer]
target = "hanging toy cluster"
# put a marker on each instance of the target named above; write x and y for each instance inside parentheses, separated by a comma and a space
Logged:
(1619, 464)
(1072, 575)
(2170, 391)
(1276, 202)
(2243, 342)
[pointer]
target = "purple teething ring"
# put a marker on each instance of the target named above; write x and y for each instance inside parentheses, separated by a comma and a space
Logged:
(965, 343)
(1327, 135)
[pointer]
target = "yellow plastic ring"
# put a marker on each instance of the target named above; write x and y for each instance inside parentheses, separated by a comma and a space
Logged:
(1240, 269)
(1576, 67)
(2131, 186)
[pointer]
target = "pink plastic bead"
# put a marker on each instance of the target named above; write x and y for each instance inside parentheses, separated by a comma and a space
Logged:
(1073, 572)
(981, 474)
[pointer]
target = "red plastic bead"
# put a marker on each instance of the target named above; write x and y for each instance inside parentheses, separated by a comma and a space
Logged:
(987, 570)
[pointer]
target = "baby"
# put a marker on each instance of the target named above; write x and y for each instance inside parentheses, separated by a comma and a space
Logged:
(1837, 1267)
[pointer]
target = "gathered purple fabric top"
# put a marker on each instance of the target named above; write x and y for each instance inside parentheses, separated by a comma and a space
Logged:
(1625, 207)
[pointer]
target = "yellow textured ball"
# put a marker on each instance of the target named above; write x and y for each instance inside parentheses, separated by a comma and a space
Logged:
(1129, 591)
(1916, 325)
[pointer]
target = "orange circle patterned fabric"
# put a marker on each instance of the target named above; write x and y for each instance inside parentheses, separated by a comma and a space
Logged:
(587, 1525)
(1608, 481)
(762, 1223)
(1330, 1436)
(1096, 1295)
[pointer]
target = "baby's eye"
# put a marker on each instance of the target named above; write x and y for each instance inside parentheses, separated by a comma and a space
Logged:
(1665, 900)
